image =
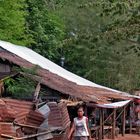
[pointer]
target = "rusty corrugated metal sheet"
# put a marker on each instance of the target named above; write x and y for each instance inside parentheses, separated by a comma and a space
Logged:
(18, 105)
(65, 116)
(55, 116)
(7, 129)
(6, 113)
(85, 93)
(22, 112)
(34, 118)
(58, 116)
(18, 111)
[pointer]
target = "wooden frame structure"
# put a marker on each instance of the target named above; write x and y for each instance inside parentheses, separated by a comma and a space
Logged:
(100, 130)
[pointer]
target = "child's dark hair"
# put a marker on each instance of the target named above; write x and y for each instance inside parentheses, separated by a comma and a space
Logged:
(79, 106)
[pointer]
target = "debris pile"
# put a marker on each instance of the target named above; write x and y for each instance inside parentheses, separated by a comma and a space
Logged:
(21, 120)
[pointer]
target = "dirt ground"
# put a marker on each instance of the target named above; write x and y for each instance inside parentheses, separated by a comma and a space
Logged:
(128, 137)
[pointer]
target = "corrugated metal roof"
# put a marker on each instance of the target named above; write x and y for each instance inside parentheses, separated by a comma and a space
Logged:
(96, 93)
(62, 85)
(114, 105)
(35, 58)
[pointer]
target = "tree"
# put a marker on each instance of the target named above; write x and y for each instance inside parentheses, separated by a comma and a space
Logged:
(12, 22)
(103, 41)
(46, 29)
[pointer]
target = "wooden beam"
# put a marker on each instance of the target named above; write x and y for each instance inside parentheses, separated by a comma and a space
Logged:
(131, 111)
(113, 123)
(33, 77)
(37, 90)
(8, 136)
(101, 124)
(25, 137)
(123, 121)
(85, 111)
(42, 128)
(108, 117)
(95, 117)
(30, 126)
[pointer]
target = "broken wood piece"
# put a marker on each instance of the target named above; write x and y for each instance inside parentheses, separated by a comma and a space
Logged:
(25, 137)
(42, 128)
(30, 126)
(33, 135)
(36, 92)
(8, 136)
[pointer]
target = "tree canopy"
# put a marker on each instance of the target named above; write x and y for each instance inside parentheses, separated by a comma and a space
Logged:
(100, 40)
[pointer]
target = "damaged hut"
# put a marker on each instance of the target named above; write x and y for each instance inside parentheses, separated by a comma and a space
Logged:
(59, 86)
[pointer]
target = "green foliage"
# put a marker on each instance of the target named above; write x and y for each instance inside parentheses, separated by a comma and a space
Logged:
(32, 70)
(20, 87)
(46, 29)
(12, 22)
(102, 41)
(99, 39)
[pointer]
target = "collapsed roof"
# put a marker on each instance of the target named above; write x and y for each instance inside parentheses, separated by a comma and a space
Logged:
(58, 78)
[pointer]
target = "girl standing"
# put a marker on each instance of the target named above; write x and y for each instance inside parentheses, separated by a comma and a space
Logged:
(80, 126)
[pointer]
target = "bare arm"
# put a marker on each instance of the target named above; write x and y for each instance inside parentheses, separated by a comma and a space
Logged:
(71, 131)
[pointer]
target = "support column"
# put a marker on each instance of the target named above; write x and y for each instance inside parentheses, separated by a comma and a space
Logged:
(123, 121)
(113, 123)
(37, 90)
(101, 124)
(130, 119)
(85, 111)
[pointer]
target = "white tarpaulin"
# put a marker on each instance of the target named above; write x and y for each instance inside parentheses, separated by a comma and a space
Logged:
(114, 105)
(41, 61)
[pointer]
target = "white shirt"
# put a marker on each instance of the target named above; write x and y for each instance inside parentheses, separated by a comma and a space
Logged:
(81, 127)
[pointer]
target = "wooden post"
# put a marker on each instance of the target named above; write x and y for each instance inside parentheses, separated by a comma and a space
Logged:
(123, 125)
(85, 110)
(37, 90)
(101, 124)
(95, 116)
(131, 117)
(113, 123)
